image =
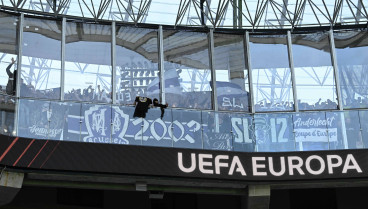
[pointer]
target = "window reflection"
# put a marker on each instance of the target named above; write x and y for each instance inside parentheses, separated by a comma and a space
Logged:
(314, 72)
(41, 61)
(351, 46)
(271, 73)
(336, 130)
(231, 76)
(136, 64)
(352, 131)
(217, 134)
(187, 74)
(363, 118)
(8, 47)
(88, 62)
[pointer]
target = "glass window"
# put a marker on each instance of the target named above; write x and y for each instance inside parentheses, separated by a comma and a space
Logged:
(271, 73)
(187, 72)
(136, 64)
(8, 51)
(314, 71)
(41, 59)
(351, 46)
(274, 132)
(231, 76)
(217, 131)
(87, 62)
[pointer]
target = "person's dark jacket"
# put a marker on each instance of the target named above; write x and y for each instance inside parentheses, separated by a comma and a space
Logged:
(11, 86)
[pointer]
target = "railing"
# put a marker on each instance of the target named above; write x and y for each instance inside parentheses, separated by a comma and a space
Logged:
(103, 123)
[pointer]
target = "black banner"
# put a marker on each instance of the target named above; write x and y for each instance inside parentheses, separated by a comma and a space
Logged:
(175, 162)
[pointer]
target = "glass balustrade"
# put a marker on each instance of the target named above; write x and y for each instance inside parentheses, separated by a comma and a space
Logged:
(181, 128)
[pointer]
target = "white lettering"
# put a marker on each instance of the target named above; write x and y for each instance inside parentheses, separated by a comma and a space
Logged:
(238, 133)
(295, 166)
(350, 158)
(256, 166)
(272, 170)
(218, 164)
(181, 166)
(332, 165)
(240, 169)
(201, 163)
(321, 161)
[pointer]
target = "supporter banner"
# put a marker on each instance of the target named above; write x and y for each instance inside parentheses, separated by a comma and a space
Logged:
(313, 128)
(175, 162)
(41, 119)
(178, 128)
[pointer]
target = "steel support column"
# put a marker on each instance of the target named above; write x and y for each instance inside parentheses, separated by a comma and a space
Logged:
(62, 77)
(249, 68)
(161, 64)
(113, 62)
(336, 70)
(19, 74)
(292, 71)
(213, 71)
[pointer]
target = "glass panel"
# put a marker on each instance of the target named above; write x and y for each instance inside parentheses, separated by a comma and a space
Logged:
(314, 72)
(34, 117)
(57, 123)
(156, 130)
(8, 51)
(353, 67)
(72, 128)
(363, 119)
(97, 123)
(187, 74)
(126, 129)
(88, 62)
(274, 132)
(310, 130)
(243, 133)
(7, 109)
(41, 60)
(186, 129)
(217, 131)
(352, 137)
(231, 77)
(136, 63)
(271, 73)
(335, 126)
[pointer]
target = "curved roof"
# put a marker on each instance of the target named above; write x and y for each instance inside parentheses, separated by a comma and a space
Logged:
(252, 14)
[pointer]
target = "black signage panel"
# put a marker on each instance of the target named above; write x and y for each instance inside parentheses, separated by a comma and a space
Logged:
(175, 162)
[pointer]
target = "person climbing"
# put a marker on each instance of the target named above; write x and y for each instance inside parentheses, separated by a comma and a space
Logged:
(142, 104)
(12, 81)
(162, 107)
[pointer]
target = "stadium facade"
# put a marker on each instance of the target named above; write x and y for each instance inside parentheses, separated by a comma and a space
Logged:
(268, 101)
